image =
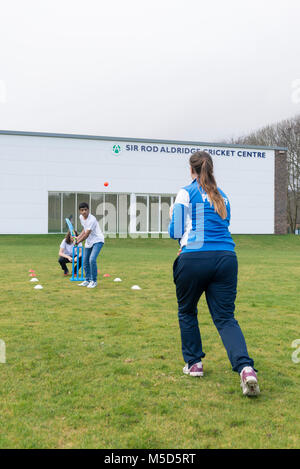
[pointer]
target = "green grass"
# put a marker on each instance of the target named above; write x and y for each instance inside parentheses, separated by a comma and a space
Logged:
(102, 368)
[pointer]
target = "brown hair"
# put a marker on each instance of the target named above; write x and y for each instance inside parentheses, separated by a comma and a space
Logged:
(68, 236)
(202, 165)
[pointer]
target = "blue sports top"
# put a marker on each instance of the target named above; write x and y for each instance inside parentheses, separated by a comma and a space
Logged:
(196, 224)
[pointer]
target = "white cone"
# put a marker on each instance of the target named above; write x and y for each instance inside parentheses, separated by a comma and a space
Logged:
(34, 280)
(117, 280)
(135, 287)
(38, 287)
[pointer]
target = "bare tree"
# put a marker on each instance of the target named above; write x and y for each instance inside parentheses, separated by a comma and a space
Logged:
(284, 134)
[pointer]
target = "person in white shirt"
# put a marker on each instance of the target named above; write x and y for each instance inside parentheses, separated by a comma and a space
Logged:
(94, 240)
(66, 253)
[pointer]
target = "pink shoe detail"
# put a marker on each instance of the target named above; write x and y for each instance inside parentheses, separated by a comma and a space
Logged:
(249, 382)
(194, 370)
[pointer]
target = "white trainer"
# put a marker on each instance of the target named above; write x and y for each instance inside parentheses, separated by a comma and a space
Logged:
(92, 284)
(249, 383)
(84, 284)
(194, 370)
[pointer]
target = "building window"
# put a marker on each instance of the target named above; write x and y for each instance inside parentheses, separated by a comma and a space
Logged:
(165, 204)
(141, 225)
(110, 213)
(69, 210)
(54, 212)
(116, 213)
(154, 210)
(97, 208)
(123, 214)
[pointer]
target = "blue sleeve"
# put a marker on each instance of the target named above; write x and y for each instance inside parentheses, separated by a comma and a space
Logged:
(227, 205)
(228, 212)
(177, 224)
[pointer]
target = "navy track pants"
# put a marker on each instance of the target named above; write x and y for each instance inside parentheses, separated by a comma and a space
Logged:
(215, 273)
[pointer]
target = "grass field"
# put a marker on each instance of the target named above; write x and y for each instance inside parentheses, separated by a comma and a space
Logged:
(102, 368)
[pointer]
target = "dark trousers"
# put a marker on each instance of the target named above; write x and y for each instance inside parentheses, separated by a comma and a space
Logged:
(215, 273)
(63, 261)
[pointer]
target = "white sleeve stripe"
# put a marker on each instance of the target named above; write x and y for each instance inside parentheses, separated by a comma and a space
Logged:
(183, 198)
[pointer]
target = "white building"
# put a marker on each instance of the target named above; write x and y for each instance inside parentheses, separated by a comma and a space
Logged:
(45, 176)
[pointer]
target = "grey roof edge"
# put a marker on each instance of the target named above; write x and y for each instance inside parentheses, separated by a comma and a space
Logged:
(135, 140)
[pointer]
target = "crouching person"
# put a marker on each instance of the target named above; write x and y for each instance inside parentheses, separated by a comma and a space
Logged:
(66, 253)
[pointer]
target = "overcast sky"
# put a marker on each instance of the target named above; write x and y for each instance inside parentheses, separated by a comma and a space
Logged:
(167, 69)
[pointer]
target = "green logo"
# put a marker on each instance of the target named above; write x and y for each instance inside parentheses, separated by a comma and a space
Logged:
(116, 149)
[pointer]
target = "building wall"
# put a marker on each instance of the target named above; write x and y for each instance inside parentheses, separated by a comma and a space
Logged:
(32, 166)
(281, 180)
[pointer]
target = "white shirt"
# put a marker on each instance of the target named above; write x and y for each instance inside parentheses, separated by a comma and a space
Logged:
(68, 248)
(96, 235)
(183, 198)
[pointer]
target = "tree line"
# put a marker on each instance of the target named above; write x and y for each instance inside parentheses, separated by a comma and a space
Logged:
(283, 134)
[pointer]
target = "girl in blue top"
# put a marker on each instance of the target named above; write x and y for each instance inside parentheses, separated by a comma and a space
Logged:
(200, 220)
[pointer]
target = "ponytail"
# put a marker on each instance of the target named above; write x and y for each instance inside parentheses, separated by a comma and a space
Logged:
(202, 165)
